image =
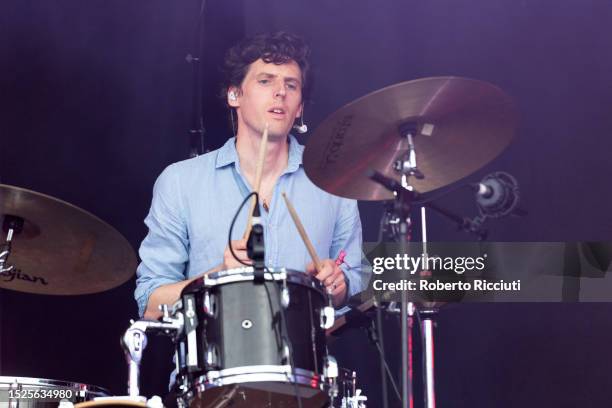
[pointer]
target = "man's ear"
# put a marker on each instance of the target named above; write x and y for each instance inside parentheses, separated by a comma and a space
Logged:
(300, 111)
(233, 94)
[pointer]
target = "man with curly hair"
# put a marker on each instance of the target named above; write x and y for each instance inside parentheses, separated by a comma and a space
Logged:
(194, 200)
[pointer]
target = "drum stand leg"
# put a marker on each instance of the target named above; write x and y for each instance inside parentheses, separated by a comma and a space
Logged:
(427, 316)
(407, 318)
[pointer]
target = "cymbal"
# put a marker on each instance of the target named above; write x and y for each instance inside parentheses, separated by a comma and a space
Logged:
(460, 125)
(62, 249)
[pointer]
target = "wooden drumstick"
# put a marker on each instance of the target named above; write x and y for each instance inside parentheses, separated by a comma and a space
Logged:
(302, 231)
(258, 173)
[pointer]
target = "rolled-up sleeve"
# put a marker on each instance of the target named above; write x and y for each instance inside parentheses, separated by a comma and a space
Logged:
(348, 236)
(164, 252)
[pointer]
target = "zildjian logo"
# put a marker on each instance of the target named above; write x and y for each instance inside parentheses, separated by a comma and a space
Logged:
(11, 275)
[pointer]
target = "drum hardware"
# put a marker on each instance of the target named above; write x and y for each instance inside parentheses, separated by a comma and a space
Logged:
(12, 225)
(401, 226)
(402, 234)
(406, 165)
(210, 305)
(134, 342)
(328, 315)
(285, 297)
(190, 326)
(343, 390)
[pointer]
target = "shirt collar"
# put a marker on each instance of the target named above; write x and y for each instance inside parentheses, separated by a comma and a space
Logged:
(228, 154)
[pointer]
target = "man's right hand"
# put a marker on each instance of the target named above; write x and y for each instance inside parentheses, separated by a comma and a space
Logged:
(239, 247)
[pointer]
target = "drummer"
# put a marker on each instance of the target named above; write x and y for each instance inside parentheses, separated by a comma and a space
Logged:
(194, 200)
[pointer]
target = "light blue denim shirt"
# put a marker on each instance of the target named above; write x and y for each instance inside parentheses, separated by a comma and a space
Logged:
(193, 204)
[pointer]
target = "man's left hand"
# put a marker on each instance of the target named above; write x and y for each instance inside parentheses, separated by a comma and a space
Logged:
(332, 277)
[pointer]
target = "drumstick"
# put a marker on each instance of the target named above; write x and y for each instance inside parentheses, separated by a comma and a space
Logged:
(258, 172)
(302, 231)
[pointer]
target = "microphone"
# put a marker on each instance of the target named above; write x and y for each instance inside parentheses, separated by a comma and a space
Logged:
(255, 244)
(498, 195)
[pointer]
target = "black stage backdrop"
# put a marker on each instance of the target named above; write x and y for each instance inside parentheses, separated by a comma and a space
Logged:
(96, 100)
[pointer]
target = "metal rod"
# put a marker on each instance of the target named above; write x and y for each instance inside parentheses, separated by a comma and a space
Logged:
(406, 387)
(428, 361)
(381, 349)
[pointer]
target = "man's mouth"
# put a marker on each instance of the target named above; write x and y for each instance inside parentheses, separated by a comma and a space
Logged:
(277, 111)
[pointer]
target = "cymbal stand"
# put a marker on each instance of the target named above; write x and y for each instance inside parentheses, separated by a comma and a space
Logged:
(401, 228)
(13, 226)
(427, 313)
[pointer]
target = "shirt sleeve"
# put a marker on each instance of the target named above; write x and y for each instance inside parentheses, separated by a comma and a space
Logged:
(164, 252)
(348, 236)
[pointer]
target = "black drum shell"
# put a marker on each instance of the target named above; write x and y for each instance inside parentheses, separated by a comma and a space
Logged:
(239, 323)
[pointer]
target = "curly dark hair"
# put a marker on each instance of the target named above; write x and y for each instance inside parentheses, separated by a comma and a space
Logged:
(278, 48)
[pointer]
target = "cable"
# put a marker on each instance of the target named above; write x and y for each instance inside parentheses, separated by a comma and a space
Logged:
(229, 238)
(374, 338)
(383, 362)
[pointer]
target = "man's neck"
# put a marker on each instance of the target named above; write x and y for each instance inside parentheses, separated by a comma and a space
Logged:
(276, 159)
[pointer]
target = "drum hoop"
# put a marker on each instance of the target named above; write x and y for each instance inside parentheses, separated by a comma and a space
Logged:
(111, 402)
(246, 274)
(7, 383)
(260, 373)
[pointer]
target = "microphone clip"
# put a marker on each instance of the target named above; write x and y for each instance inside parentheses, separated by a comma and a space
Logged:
(255, 245)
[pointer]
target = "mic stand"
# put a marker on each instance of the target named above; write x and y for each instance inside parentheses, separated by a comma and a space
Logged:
(197, 131)
(463, 223)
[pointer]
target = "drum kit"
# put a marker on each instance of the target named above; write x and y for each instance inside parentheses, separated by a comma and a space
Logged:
(246, 340)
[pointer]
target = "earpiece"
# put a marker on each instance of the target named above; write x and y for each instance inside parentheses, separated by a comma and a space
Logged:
(301, 128)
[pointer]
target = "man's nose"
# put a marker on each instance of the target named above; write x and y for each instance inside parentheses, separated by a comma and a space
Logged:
(280, 91)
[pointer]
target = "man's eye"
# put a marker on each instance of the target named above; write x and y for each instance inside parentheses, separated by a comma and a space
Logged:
(293, 87)
(264, 81)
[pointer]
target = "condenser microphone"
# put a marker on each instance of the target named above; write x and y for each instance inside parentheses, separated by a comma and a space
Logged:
(498, 195)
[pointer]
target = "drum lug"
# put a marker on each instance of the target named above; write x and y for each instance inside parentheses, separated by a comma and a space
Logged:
(331, 367)
(285, 298)
(327, 317)
(286, 353)
(212, 356)
(210, 305)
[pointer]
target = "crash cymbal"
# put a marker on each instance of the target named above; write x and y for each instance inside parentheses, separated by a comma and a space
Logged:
(461, 124)
(62, 249)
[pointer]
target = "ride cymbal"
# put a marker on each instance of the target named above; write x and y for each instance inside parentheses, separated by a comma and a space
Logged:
(459, 125)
